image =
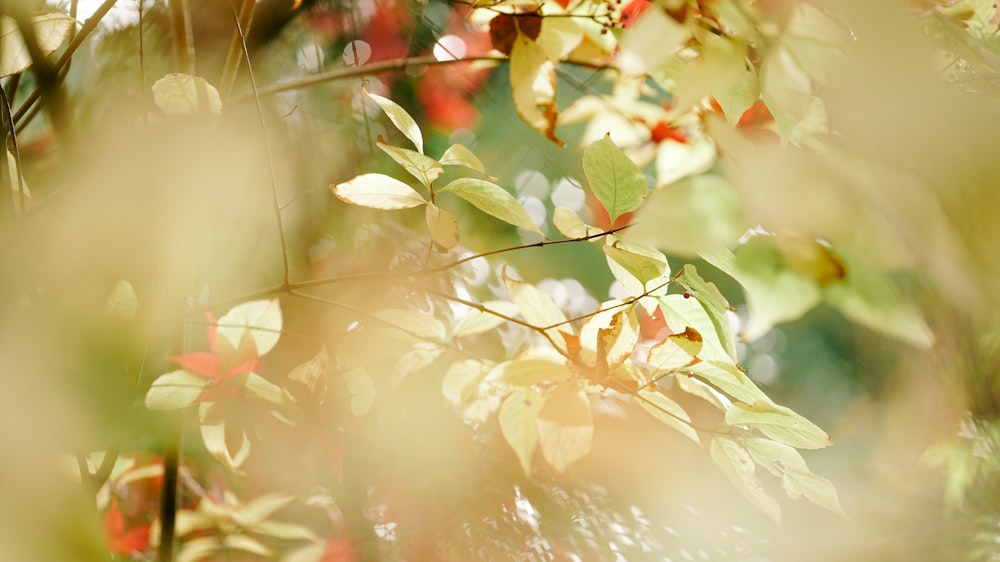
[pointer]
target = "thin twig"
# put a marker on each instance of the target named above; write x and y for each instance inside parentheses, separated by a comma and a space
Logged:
(235, 55)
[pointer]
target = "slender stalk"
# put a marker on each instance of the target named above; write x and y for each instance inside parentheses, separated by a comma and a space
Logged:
(235, 54)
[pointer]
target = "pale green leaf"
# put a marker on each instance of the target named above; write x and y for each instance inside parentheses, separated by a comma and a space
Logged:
(676, 351)
(721, 62)
(650, 42)
(614, 178)
(401, 119)
(533, 86)
(565, 426)
(570, 225)
(264, 389)
(639, 269)
(682, 312)
(700, 214)
(870, 299)
(739, 94)
(728, 379)
(198, 549)
(779, 423)
(716, 306)
(461, 380)
(184, 95)
(697, 387)
(177, 389)
(736, 463)
(286, 531)
(260, 508)
(361, 387)
(617, 341)
(458, 155)
(122, 302)
(413, 322)
(491, 199)
(815, 488)
(51, 30)
(214, 437)
(518, 423)
(378, 191)
(558, 36)
(443, 227)
(676, 160)
(258, 320)
(424, 168)
(528, 372)
(796, 479)
(479, 321)
(537, 308)
(246, 544)
(786, 89)
(775, 292)
(667, 411)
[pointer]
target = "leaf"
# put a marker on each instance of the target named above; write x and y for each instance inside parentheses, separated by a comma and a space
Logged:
(458, 155)
(424, 168)
(565, 426)
(533, 86)
(667, 411)
(870, 299)
(246, 544)
(378, 191)
(260, 508)
(442, 226)
(614, 178)
(729, 379)
(704, 214)
(720, 64)
(258, 320)
(177, 389)
(797, 480)
(122, 301)
(775, 293)
(361, 387)
(739, 94)
(401, 119)
(676, 351)
(478, 321)
(51, 30)
(736, 463)
(676, 160)
(639, 269)
(264, 389)
(715, 305)
(413, 322)
(461, 380)
(519, 423)
(536, 307)
(184, 95)
(570, 225)
(681, 313)
(616, 342)
(779, 423)
(650, 42)
(786, 89)
(286, 531)
(528, 372)
(493, 200)
(214, 435)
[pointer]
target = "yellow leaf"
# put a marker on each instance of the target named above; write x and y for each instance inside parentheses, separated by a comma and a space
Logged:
(258, 320)
(537, 308)
(565, 426)
(424, 168)
(479, 321)
(533, 86)
(401, 119)
(51, 30)
(361, 387)
(378, 191)
(528, 372)
(736, 463)
(177, 389)
(518, 423)
(184, 95)
(216, 438)
(442, 226)
(667, 411)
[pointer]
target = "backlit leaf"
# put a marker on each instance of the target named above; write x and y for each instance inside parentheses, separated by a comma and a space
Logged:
(778, 422)
(424, 168)
(681, 313)
(676, 160)
(401, 119)
(378, 191)
(461, 380)
(184, 95)
(528, 372)
(719, 65)
(570, 225)
(650, 42)
(260, 508)
(537, 308)
(675, 351)
(729, 379)
(264, 389)
(177, 389)
(443, 227)
(413, 322)
(214, 435)
(786, 463)
(614, 178)
(458, 155)
(519, 424)
(639, 269)
(238, 541)
(51, 30)
(533, 86)
(361, 388)
(258, 320)
(715, 305)
(617, 341)
(478, 321)
(667, 411)
(565, 426)
(736, 463)
(493, 200)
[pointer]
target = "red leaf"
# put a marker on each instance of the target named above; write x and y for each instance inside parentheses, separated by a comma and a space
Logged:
(121, 541)
(504, 29)
(200, 363)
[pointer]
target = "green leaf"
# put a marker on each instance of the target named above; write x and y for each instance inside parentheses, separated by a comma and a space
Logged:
(779, 423)
(519, 423)
(51, 30)
(493, 200)
(378, 191)
(736, 463)
(570, 225)
(719, 66)
(528, 372)
(703, 214)
(870, 299)
(458, 155)
(565, 426)
(174, 390)
(443, 227)
(675, 352)
(122, 301)
(775, 292)
(413, 322)
(681, 313)
(478, 321)
(639, 269)
(361, 388)
(729, 379)
(614, 178)
(715, 305)
(258, 320)
(786, 463)
(739, 94)
(184, 95)
(667, 411)
(424, 168)
(401, 119)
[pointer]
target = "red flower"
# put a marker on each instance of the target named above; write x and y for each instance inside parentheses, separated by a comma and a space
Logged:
(220, 365)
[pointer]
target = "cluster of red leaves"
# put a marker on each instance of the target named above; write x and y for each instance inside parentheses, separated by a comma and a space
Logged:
(220, 366)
